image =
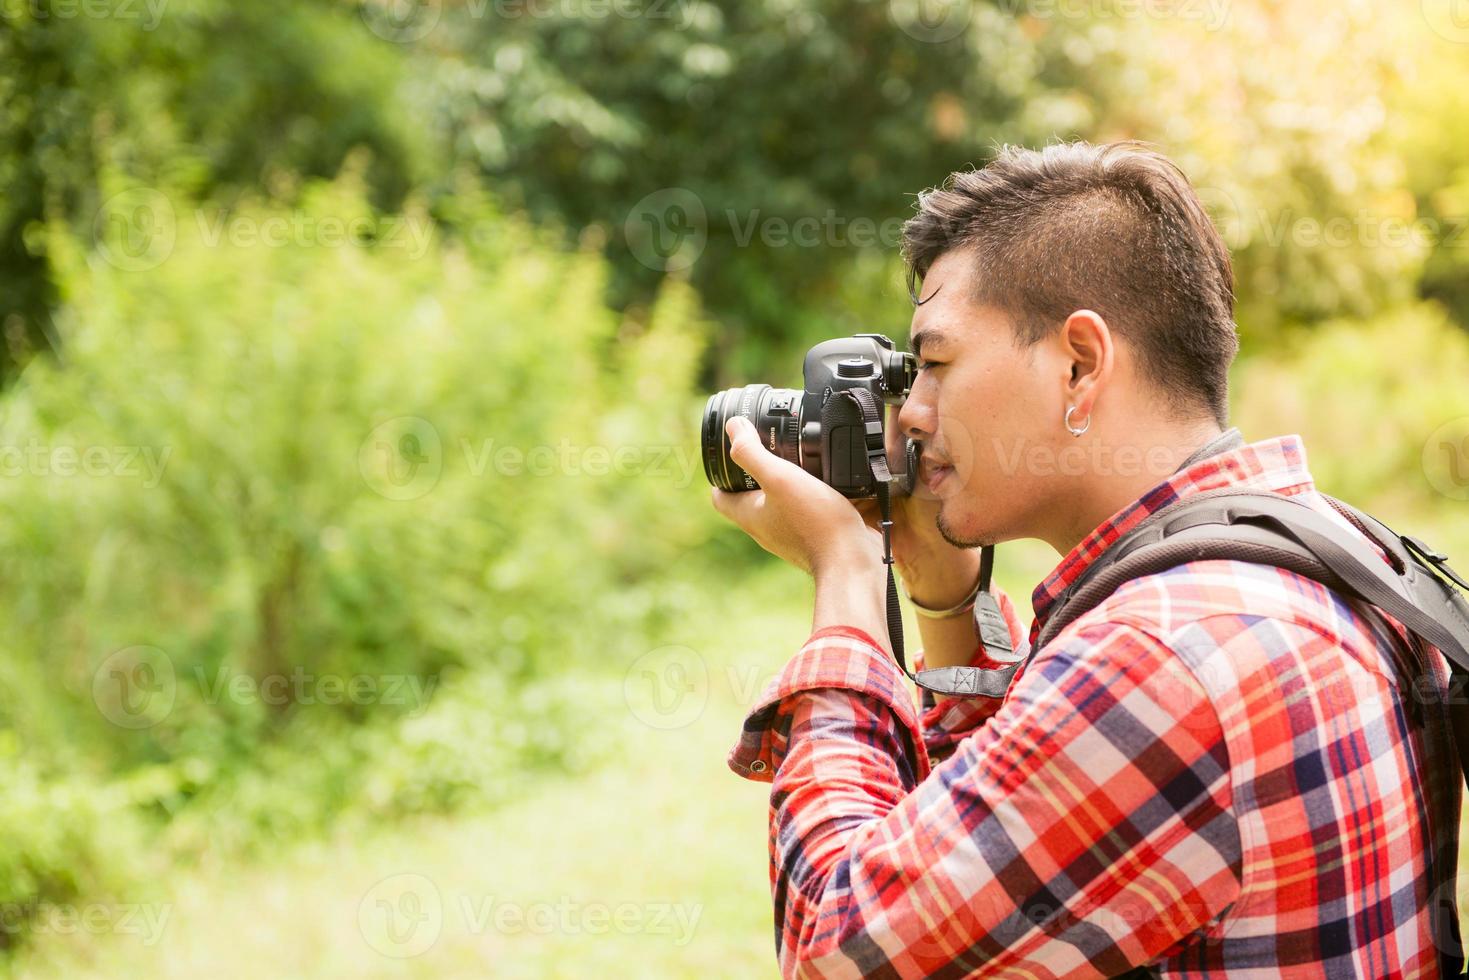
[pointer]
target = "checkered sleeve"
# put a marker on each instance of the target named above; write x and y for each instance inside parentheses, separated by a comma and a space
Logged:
(1086, 827)
(845, 659)
(947, 723)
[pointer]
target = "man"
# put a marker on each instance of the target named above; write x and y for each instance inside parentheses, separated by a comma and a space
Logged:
(1212, 773)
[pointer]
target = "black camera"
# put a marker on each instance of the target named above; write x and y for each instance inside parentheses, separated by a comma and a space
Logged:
(833, 429)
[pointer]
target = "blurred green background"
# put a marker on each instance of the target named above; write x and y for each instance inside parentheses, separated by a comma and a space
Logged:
(364, 613)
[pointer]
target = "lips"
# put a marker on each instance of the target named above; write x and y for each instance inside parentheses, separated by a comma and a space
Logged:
(933, 473)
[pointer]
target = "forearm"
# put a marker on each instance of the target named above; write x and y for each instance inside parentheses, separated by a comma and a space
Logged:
(848, 767)
(852, 591)
(948, 642)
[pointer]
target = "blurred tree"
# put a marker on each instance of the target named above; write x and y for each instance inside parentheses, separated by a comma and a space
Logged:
(778, 143)
(1280, 114)
(209, 95)
(1436, 160)
(768, 151)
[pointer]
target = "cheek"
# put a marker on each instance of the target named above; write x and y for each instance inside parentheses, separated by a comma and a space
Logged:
(978, 414)
(995, 424)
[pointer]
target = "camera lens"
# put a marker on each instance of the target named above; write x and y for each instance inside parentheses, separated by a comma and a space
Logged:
(776, 415)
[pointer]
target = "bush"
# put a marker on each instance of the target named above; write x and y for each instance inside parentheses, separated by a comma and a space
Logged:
(59, 839)
(1367, 397)
(264, 472)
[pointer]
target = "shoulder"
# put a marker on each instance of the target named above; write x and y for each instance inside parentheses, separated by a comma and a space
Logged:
(1221, 626)
(1222, 597)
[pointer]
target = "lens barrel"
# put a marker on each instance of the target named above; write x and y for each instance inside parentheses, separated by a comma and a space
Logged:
(776, 415)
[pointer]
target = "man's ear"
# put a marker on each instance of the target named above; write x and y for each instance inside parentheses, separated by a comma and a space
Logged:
(1086, 342)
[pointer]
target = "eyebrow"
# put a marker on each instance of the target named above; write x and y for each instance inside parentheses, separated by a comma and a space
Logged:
(928, 335)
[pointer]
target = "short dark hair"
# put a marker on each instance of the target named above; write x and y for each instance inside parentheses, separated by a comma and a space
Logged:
(1114, 228)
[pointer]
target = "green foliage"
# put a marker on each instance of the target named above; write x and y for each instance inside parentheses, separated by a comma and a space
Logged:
(364, 458)
(286, 502)
(62, 838)
(479, 743)
(1436, 158)
(1367, 397)
(180, 92)
(577, 113)
(796, 132)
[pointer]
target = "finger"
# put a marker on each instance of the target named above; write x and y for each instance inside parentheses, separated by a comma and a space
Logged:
(746, 450)
(896, 444)
(735, 506)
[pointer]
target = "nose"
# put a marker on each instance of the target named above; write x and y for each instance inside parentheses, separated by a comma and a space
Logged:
(917, 419)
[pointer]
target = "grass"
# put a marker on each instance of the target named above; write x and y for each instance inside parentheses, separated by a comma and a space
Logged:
(653, 865)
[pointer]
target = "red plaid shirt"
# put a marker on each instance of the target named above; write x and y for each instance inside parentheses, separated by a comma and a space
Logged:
(1213, 772)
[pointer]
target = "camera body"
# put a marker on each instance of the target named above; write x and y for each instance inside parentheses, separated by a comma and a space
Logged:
(821, 429)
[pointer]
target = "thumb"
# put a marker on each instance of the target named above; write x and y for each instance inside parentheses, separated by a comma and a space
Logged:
(746, 449)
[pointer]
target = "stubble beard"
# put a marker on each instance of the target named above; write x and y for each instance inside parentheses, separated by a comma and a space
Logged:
(949, 534)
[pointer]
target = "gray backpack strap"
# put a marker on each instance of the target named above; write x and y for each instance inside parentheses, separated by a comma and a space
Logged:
(1415, 586)
(1270, 529)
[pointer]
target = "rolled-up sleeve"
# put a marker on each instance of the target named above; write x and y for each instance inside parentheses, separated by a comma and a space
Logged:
(1085, 828)
(844, 659)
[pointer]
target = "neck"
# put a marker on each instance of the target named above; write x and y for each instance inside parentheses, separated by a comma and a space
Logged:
(1118, 472)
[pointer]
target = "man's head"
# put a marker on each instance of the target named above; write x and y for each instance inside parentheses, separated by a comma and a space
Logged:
(1081, 278)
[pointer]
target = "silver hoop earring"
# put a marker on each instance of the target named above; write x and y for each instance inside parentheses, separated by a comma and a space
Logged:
(1073, 431)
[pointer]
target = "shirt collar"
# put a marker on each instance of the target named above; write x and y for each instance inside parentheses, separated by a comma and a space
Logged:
(1277, 465)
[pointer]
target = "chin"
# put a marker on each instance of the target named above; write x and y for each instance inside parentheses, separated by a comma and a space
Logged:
(964, 534)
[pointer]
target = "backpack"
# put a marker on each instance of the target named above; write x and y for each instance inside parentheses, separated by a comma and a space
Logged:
(1415, 586)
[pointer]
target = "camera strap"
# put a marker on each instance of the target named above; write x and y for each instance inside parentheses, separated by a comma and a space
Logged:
(966, 682)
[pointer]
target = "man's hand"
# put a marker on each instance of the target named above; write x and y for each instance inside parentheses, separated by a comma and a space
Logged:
(794, 515)
(799, 518)
(936, 573)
